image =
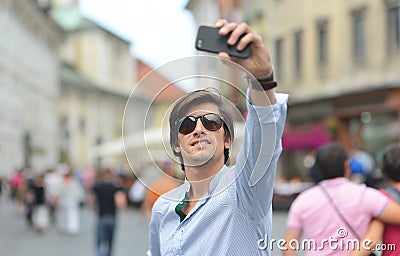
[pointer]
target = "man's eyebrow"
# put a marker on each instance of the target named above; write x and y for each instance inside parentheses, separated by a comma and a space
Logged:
(203, 114)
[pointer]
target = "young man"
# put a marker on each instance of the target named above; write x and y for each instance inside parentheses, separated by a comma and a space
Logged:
(391, 169)
(222, 210)
(337, 210)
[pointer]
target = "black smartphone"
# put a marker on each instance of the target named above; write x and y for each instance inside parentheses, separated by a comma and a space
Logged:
(208, 39)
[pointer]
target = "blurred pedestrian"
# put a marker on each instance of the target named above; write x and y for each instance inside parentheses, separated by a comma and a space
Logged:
(161, 185)
(391, 169)
(18, 186)
(336, 208)
(28, 195)
(108, 197)
(362, 165)
(222, 210)
(88, 178)
(137, 193)
(39, 212)
(53, 183)
(1, 187)
(71, 195)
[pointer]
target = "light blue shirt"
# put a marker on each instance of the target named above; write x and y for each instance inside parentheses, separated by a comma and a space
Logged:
(235, 216)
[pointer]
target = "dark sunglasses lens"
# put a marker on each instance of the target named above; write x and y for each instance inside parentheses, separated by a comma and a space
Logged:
(188, 124)
(212, 122)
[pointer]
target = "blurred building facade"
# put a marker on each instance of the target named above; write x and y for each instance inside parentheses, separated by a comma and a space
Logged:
(97, 75)
(29, 86)
(207, 13)
(157, 89)
(103, 111)
(150, 142)
(339, 61)
(65, 82)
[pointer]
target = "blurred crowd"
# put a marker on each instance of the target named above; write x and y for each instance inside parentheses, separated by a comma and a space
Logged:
(56, 196)
(53, 197)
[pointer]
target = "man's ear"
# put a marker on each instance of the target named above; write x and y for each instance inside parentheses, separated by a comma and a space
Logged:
(177, 149)
(228, 142)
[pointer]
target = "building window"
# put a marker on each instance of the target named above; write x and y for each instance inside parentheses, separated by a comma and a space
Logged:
(298, 50)
(393, 28)
(359, 39)
(322, 30)
(118, 63)
(279, 58)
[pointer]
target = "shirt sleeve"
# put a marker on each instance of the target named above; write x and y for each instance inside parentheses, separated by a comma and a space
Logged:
(375, 202)
(294, 220)
(257, 160)
(154, 238)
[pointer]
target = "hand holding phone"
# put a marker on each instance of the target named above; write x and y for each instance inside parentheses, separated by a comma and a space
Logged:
(208, 39)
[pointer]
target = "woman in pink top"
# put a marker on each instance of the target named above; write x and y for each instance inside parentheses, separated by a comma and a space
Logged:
(336, 213)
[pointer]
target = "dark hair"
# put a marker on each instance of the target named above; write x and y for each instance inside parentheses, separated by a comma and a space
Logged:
(329, 161)
(391, 162)
(193, 99)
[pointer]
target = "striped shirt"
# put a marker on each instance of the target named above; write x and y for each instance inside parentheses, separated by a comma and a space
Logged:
(235, 216)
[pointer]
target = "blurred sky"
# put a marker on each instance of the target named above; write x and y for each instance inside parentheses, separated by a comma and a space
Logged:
(160, 31)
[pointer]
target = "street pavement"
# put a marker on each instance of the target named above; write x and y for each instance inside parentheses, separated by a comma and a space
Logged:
(17, 239)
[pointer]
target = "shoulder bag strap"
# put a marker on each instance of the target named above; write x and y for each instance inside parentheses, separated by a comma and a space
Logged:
(338, 212)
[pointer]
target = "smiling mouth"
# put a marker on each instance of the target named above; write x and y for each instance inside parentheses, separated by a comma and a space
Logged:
(201, 143)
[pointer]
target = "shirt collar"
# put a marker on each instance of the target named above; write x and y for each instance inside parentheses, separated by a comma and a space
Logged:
(334, 181)
(214, 181)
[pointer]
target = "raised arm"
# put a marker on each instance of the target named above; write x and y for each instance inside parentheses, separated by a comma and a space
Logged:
(257, 160)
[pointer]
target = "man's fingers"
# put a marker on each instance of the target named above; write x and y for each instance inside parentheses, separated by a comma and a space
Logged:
(220, 23)
(239, 31)
(226, 58)
(227, 28)
(224, 55)
(248, 38)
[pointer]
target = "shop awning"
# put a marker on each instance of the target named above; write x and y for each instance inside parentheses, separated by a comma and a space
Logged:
(300, 139)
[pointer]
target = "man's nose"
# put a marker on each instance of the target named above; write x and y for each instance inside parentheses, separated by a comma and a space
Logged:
(199, 129)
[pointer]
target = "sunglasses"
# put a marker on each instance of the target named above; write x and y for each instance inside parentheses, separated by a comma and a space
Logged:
(210, 121)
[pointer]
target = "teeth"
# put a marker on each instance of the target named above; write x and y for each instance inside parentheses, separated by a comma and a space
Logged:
(202, 143)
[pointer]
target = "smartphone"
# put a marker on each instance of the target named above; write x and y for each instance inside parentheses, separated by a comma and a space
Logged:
(208, 39)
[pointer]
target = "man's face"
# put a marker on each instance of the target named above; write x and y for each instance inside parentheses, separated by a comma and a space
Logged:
(201, 145)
